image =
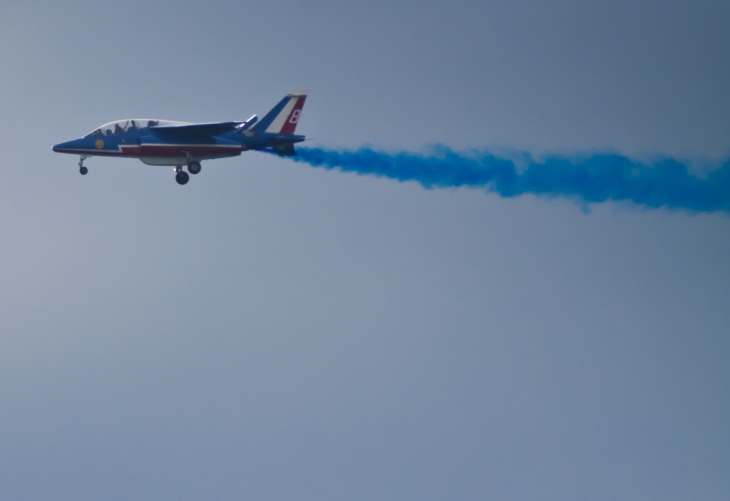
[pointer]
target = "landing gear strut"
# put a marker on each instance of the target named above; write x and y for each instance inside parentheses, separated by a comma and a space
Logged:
(83, 170)
(193, 165)
(181, 176)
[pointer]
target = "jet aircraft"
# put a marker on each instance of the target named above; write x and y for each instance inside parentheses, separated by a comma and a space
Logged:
(178, 144)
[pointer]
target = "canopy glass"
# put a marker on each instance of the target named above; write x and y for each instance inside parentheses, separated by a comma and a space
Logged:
(124, 125)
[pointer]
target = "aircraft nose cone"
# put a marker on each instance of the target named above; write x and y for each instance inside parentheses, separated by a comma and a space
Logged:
(67, 147)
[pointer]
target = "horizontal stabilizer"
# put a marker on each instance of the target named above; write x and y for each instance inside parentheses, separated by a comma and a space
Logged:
(248, 123)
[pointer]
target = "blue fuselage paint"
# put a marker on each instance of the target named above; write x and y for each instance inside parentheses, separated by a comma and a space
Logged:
(177, 145)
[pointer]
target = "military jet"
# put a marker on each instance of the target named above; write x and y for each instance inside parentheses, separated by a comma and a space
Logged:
(182, 144)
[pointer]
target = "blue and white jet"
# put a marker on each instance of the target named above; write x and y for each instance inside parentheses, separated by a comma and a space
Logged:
(178, 144)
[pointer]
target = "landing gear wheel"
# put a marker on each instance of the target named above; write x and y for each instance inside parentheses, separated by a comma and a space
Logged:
(194, 167)
(83, 170)
(182, 177)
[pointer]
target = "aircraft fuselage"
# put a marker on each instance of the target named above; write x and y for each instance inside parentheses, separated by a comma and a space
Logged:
(153, 148)
(178, 144)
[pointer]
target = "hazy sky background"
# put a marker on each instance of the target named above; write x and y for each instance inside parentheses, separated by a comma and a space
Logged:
(274, 331)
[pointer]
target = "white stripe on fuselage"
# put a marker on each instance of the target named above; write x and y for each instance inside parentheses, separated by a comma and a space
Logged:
(121, 147)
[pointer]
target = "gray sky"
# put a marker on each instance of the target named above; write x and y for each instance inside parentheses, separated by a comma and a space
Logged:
(274, 331)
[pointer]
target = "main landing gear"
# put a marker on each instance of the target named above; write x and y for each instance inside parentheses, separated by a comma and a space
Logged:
(181, 176)
(194, 167)
(83, 170)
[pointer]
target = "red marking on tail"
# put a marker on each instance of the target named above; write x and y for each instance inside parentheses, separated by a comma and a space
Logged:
(291, 121)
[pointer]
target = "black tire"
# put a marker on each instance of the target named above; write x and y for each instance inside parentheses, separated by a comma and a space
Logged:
(83, 171)
(194, 167)
(182, 177)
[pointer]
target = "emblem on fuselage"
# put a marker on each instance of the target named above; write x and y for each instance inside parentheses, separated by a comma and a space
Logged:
(99, 144)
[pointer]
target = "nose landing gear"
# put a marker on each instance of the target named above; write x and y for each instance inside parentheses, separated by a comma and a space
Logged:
(82, 170)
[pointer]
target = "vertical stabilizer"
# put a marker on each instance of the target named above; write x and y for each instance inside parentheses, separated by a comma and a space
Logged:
(283, 118)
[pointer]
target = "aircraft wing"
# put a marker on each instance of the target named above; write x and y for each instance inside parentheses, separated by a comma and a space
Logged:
(207, 129)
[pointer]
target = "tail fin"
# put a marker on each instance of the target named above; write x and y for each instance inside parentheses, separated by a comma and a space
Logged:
(283, 118)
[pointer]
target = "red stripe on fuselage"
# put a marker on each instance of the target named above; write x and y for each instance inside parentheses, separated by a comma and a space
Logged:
(195, 150)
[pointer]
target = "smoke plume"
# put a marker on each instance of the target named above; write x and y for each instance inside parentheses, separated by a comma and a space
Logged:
(597, 178)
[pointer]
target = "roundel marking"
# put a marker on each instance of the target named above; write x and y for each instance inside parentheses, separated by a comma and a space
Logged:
(99, 144)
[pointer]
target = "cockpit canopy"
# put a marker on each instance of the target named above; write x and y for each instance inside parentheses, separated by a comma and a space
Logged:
(125, 125)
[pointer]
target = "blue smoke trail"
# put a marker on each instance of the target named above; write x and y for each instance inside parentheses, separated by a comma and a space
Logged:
(598, 178)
